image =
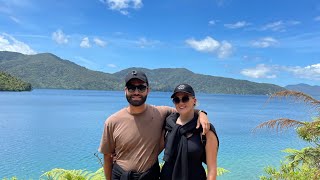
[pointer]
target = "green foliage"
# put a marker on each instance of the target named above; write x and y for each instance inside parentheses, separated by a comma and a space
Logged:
(49, 71)
(10, 83)
(62, 174)
(309, 156)
(285, 173)
(221, 171)
(299, 164)
(310, 132)
(12, 178)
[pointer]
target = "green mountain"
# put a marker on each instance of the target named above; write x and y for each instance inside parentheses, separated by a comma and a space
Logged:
(10, 83)
(49, 71)
(166, 79)
(306, 88)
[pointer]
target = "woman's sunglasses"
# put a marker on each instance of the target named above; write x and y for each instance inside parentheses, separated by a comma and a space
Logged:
(177, 100)
(132, 88)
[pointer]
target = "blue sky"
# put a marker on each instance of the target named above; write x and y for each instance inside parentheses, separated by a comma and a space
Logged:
(262, 41)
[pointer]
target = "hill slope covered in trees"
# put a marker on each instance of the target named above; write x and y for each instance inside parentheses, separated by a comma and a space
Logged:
(49, 71)
(10, 83)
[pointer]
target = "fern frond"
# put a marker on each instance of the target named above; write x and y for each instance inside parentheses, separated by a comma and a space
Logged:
(62, 174)
(98, 175)
(221, 171)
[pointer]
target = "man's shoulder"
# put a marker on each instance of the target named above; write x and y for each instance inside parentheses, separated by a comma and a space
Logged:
(116, 116)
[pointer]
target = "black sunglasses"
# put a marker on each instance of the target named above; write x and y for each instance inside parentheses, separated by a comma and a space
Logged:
(132, 88)
(177, 100)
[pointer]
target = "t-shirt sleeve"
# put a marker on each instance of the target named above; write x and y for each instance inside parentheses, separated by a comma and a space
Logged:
(107, 144)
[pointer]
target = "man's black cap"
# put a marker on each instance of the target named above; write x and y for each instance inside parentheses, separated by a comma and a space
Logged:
(185, 88)
(136, 75)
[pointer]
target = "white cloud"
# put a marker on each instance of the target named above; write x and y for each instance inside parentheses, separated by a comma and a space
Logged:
(274, 26)
(317, 18)
(213, 22)
(99, 42)
(123, 5)
(16, 20)
(311, 72)
(143, 42)
(9, 43)
(260, 71)
(279, 26)
(225, 50)
(211, 45)
(60, 37)
(85, 43)
(292, 23)
(265, 42)
(206, 45)
(237, 25)
(221, 3)
(112, 65)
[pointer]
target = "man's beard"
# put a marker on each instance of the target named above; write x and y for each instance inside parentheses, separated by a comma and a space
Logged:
(136, 102)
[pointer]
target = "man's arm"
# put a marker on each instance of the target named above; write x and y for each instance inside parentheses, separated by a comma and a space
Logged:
(107, 146)
(107, 165)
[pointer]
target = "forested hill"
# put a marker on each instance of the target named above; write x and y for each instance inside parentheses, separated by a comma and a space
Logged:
(311, 90)
(166, 79)
(10, 83)
(49, 71)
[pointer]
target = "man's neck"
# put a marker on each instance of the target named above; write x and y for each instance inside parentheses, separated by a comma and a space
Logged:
(136, 109)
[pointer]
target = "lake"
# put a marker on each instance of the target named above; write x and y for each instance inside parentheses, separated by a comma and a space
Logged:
(45, 129)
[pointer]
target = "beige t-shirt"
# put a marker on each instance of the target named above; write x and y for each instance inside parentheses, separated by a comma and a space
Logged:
(134, 138)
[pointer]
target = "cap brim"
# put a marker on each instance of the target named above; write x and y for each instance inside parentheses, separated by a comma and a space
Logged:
(181, 92)
(136, 78)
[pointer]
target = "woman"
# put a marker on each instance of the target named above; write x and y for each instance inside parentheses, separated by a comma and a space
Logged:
(185, 148)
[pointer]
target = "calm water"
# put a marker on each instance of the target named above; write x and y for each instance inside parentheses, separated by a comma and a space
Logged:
(46, 129)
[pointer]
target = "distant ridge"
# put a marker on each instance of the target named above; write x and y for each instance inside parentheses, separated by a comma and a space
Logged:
(46, 70)
(165, 79)
(305, 88)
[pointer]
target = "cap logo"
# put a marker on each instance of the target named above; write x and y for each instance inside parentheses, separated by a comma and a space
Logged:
(181, 86)
(134, 72)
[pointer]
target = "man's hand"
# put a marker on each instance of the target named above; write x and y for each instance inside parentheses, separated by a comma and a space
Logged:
(204, 121)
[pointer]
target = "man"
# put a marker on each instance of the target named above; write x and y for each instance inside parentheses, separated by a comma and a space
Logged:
(131, 137)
